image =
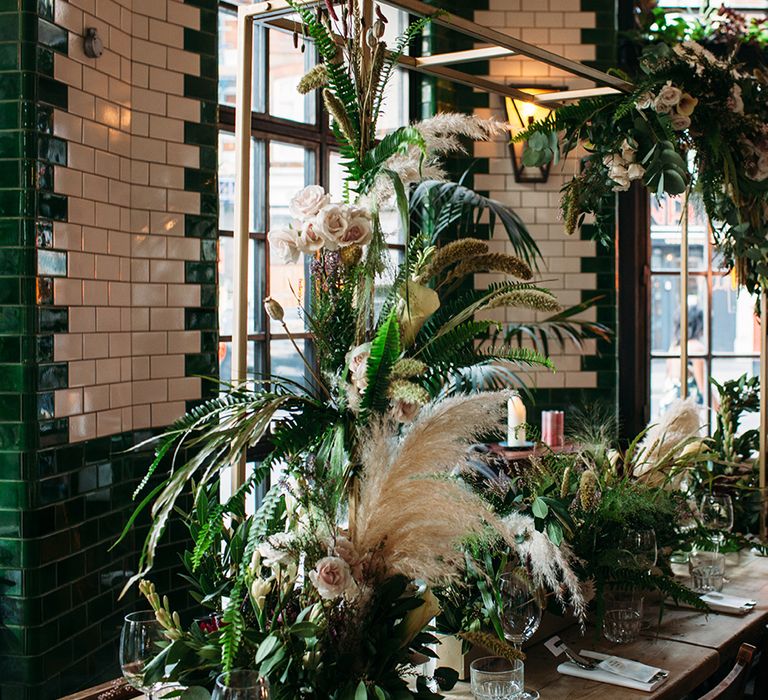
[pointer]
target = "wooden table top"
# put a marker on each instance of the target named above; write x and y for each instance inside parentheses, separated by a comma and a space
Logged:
(691, 645)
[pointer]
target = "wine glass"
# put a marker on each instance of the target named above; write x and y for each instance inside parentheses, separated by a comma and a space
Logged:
(520, 613)
(139, 641)
(639, 550)
(241, 684)
(717, 516)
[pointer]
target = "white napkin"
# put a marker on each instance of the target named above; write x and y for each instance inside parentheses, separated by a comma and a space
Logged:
(570, 669)
(732, 604)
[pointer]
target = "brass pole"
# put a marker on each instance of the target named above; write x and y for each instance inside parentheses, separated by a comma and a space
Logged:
(763, 456)
(684, 301)
(244, 89)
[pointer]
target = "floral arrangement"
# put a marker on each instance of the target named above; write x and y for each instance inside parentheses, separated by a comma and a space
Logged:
(573, 514)
(694, 125)
(327, 589)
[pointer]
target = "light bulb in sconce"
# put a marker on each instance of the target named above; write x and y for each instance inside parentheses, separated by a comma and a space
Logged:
(521, 114)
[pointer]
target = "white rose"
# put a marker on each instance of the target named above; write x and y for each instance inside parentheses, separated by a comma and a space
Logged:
(273, 550)
(359, 230)
(617, 172)
(309, 240)
(284, 244)
(628, 151)
(645, 101)
(668, 97)
(613, 161)
(621, 183)
(357, 361)
(679, 121)
(331, 577)
(635, 171)
(308, 202)
(332, 223)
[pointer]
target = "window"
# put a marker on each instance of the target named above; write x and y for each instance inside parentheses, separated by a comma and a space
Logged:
(723, 330)
(292, 146)
(723, 333)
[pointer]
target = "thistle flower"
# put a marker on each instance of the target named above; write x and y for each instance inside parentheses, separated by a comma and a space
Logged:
(490, 642)
(534, 299)
(403, 390)
(491, 262)
(407, 368)
(451, 253)
(588, 489)
(315, 79)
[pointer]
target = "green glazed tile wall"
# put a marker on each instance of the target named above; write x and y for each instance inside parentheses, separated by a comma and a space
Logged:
(63, 505)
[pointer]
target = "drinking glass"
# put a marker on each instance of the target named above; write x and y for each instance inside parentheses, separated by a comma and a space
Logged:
(520, 613)
(639, 550)
(139, 640)
(707, 571)
(623, 615)
(241, 684)
(494, 678)
(717, 516)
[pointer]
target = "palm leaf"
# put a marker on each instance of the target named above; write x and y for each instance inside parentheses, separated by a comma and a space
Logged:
(451, 210)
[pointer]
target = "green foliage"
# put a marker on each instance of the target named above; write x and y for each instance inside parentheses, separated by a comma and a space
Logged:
(450, 211)
(385, 351)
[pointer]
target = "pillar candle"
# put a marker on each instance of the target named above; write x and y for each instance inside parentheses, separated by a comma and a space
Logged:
(516, 419)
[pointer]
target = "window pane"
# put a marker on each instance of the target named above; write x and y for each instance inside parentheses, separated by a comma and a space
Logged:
(735, 327)
(285, 361)
(665, 383)
(666, 235)
(665, 314)
(336, 175)
(256, 284)
(228, 62)
(286, 67)
(394, 112)
(290, 168)
(724, 369)
(255, 360)
(227, 177)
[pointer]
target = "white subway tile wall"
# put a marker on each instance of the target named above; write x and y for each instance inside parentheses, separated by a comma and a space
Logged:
(554, 25)
(125, 286)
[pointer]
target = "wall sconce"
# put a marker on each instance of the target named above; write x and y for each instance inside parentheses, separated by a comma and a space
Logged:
(521, 115)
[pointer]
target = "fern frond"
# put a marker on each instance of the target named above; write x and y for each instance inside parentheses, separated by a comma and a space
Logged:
(385, 351)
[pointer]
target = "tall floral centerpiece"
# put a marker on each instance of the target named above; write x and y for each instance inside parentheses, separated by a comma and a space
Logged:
(327, 588)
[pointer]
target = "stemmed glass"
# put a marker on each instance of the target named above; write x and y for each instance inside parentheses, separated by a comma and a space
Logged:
(139, 641)
(520, 613)
(639, 550)
(241, 684)
(717, 516)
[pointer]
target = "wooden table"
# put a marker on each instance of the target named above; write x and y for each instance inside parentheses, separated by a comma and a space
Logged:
(691, 645)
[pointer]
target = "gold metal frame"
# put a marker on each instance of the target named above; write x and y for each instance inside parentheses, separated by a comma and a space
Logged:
(496, 44)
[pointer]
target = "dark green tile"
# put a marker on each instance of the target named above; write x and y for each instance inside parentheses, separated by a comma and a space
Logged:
(200, 227)
(9, 56)
(10, 291)
(53, 376)
(200, 134)
(200, 88)
(53, 320)
(199, 181)
(12, 319)
(200, 272)
(10, 85)
(45, 9)
(45, 61)
(52, 149)
(208, 296)
(9, 27)
(12, 378)
(204, 365)
(52, 206)
(48, 34)
(52, 92)
(44, 234)
(199, 42)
